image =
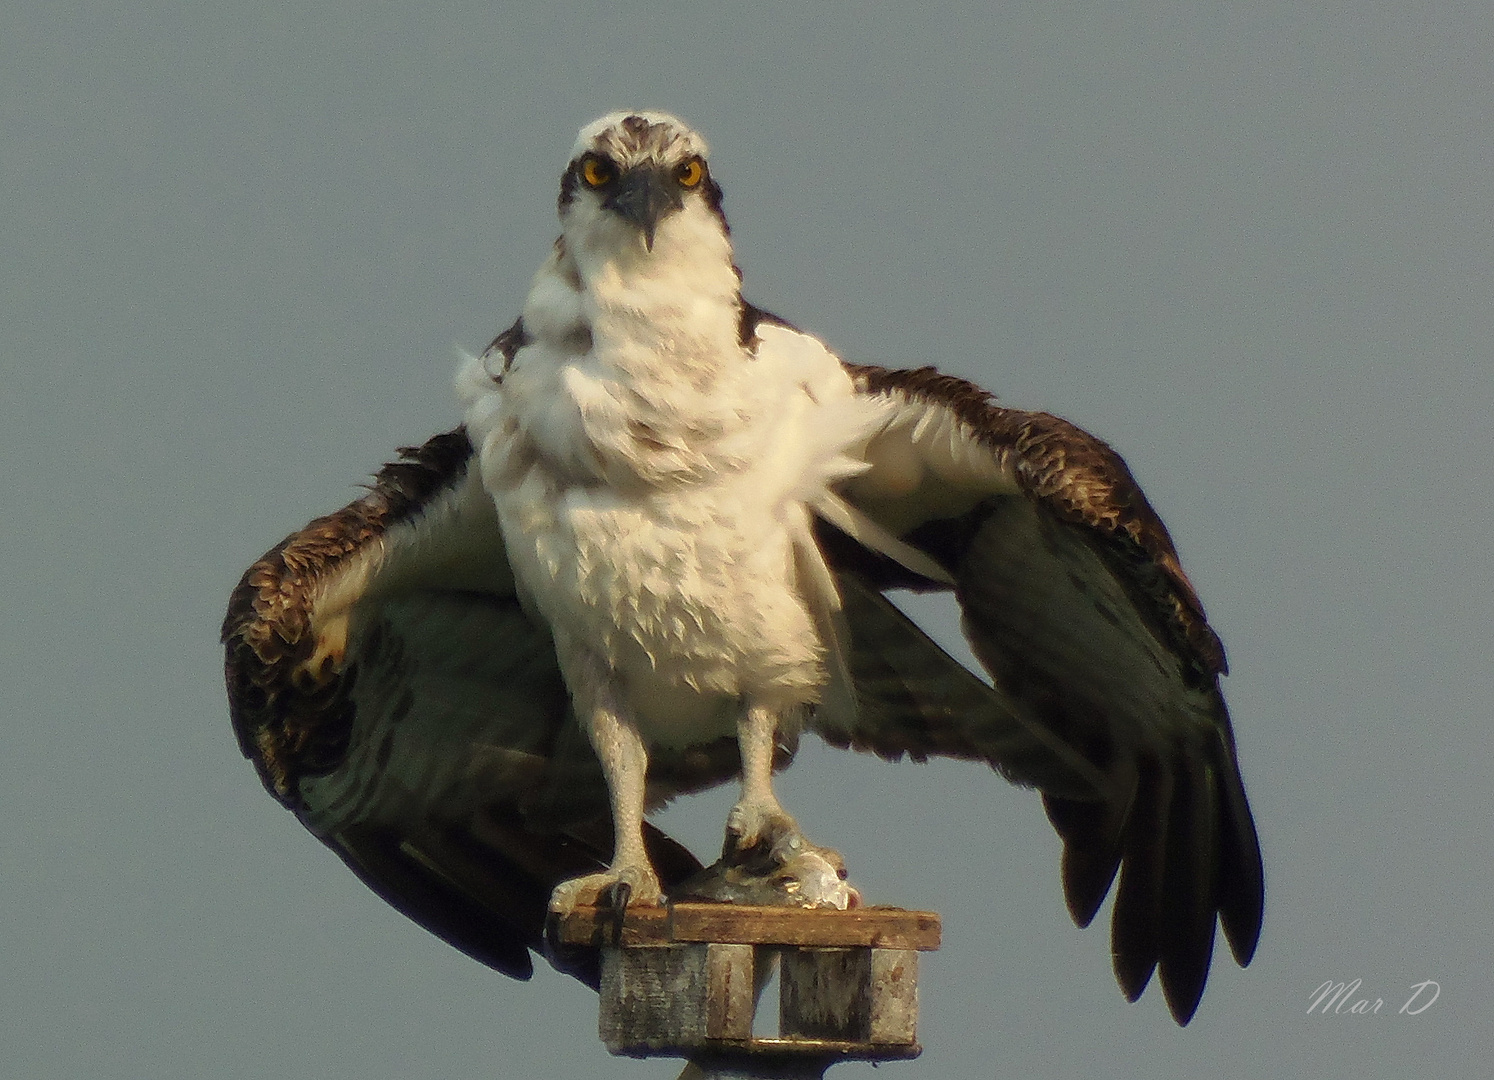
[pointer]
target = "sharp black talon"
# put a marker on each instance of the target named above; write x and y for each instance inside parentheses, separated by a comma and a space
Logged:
(618, 896)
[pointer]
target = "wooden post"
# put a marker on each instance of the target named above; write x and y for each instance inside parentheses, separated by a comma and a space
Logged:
(683, 981)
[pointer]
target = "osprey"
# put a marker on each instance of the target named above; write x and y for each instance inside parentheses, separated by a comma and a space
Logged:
(661, 546)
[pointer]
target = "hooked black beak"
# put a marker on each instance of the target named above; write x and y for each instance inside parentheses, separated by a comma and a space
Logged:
(643, 197)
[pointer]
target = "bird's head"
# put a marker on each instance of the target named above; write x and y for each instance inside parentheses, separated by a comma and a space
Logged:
(636, 178)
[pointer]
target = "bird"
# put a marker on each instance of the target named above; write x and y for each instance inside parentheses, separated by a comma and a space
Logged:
(659, 549)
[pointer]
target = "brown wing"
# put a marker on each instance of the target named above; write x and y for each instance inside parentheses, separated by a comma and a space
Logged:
(1073, 598)
(392, 692)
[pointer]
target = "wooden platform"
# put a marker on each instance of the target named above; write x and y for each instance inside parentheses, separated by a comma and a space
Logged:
(739, 924)
(684, 981)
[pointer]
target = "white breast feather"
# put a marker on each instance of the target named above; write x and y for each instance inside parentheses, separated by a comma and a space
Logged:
(655, 489)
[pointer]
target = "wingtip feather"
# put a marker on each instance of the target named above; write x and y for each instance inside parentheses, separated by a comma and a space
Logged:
(1242, 886)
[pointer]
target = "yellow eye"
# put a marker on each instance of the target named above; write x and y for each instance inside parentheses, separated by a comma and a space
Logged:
(690, 173)
(597, 172)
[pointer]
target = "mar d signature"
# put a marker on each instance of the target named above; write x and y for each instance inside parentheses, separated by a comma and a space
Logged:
(1343, 999)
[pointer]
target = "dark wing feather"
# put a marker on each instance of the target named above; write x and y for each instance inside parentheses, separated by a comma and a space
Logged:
(392, 692)
(1074, 600)
(913, 699)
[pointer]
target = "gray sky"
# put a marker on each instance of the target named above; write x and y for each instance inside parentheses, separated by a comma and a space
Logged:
(1250, 245)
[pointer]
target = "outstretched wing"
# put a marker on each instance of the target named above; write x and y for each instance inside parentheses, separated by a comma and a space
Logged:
(389, 688)
(1106, 673)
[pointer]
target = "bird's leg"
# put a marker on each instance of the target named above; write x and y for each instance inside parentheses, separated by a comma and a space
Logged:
(631, 878)
(758, 823)
(766, 858)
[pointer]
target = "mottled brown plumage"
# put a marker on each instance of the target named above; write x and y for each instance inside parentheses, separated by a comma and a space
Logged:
(290, 718)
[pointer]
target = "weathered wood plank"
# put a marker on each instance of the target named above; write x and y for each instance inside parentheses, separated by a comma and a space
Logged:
(825, 994)
(653, 999)
(740, 924)
(856, 995)
(731, 997)
(894, 996)
(663, 997)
